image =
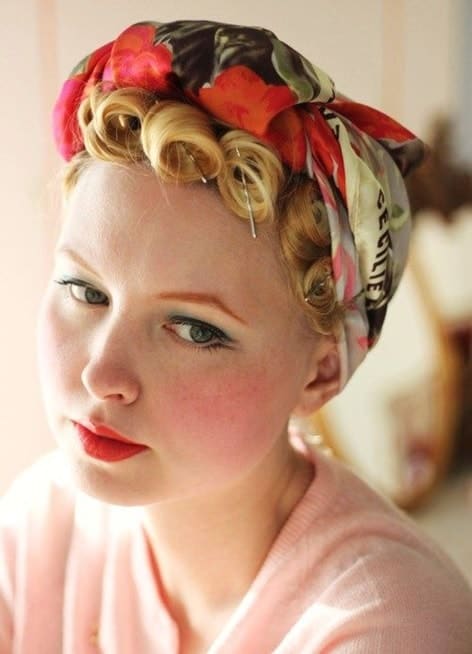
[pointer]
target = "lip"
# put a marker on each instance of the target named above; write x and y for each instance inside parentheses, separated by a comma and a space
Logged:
(100, 429)
(103, 443)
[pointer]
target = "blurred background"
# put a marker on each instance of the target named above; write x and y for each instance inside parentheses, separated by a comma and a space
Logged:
(404, 421)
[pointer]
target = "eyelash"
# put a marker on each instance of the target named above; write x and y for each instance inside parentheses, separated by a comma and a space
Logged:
(71, 281)
(223, 340)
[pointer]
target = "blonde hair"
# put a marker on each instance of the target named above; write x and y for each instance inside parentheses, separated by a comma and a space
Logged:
(182, 143)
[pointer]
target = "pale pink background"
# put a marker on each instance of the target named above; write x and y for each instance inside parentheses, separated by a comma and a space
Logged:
(399, 55)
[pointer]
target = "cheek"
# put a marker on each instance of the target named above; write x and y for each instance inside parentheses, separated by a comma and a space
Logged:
(229, 418)
(53, 353)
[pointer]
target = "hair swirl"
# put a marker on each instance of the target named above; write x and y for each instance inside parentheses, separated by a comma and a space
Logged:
(181, 143)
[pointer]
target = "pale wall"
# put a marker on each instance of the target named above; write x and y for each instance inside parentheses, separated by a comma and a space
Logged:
(396, 54)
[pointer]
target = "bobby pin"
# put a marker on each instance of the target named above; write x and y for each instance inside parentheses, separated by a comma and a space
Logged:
(248, 200)
(317, 290)
(196, 164)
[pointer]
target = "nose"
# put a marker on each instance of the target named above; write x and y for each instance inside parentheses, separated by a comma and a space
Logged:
(110, 372)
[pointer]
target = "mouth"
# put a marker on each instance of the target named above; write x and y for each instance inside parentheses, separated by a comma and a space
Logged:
(105, 444)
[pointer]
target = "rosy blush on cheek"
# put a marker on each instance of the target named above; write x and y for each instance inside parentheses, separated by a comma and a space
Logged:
(221, 422)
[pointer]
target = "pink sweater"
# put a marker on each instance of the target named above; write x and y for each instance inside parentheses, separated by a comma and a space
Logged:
(348, 573)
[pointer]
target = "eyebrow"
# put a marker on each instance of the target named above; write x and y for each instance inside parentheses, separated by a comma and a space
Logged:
(184, 296)
(74, 255)
(200, 298)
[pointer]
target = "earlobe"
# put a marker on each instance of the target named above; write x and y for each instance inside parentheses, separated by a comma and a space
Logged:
(323, 381)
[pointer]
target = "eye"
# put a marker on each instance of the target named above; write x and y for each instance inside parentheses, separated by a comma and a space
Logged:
(83, 292)
(198, 333)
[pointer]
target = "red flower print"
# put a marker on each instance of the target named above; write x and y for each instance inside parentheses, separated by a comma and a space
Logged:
(286, 134)
(242, 99)
(64, 119)
(65, 126)
(136, 61)
(326, 148)
(373, 122)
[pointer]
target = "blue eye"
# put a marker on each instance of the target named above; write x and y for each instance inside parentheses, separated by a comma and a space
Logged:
(83, 292)
(198, 333)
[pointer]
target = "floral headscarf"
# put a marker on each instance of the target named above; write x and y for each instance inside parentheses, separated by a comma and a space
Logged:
(249, 79)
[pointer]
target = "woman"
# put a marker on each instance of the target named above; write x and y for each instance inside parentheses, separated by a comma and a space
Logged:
(233, 231)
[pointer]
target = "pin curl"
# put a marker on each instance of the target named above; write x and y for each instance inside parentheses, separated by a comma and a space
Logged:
(248, 199)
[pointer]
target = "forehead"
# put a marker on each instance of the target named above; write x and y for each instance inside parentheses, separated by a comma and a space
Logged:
(124, 218)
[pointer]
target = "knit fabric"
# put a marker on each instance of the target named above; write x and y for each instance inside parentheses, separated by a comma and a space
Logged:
(348, 573)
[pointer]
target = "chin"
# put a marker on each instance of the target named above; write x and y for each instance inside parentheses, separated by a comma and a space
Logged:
(105, 482)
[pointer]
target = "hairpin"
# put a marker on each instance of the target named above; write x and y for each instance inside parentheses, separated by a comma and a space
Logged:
(248, 200)
(317, 290)
(196, 164)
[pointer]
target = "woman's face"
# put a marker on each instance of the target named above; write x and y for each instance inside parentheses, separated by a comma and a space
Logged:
(179, 332)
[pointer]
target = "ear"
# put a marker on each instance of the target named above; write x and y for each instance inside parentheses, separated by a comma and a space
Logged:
(323, 378)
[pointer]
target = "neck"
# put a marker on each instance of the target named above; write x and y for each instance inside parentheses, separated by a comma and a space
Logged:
(208, 549)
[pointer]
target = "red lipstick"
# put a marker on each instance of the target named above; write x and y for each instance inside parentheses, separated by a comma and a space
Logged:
(102, 442)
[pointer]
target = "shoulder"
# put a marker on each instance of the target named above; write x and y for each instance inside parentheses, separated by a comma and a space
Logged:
(390, 596)
(375, 574)
(42, 496)
(58, 543)
(43, 505)
(36, 514)
(44, 521)
(366, 529)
